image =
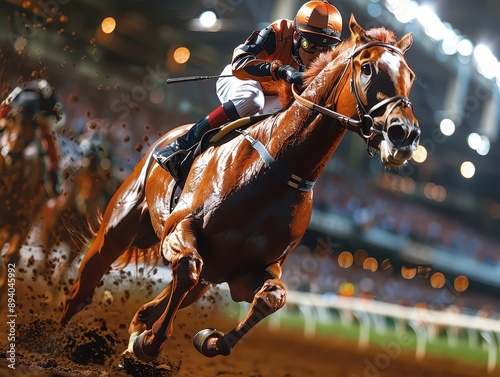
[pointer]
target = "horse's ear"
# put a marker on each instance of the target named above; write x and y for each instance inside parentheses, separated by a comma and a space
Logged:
(405, 42)
(357, 32)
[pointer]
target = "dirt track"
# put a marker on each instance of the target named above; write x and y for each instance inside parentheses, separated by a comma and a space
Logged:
(97, 336)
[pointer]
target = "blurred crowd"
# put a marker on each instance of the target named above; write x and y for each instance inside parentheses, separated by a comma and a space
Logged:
(318, 269)
(366, 205)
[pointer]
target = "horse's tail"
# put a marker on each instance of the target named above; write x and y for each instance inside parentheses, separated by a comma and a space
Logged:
(81, 228)
(149, 257)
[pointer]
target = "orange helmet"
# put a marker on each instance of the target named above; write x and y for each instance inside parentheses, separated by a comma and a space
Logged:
(319, 22)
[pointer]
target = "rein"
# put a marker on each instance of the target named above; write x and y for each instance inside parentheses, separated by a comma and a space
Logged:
(365, 126)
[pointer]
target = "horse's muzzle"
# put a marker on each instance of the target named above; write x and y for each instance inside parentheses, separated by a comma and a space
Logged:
(399, 141)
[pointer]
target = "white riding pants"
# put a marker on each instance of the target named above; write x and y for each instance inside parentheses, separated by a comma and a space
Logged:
(246, 95)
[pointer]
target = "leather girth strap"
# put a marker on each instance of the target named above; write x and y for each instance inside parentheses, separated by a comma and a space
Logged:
(278, 170)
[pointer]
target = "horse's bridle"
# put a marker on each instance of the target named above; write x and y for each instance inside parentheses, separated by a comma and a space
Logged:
(364, 126)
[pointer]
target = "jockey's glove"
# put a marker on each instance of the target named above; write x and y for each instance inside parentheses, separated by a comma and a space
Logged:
(289, 74)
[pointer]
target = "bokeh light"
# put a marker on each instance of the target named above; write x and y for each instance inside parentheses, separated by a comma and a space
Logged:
(465, 47)
(108, 25)
(461, 283)
(360, 256)
(345, 259)
(447, 127)
(386, 265)
(181, 55)
(438, 280)
(408, 272)
(347, 289)
(370, 264)
(420, 155)
(467, 169)
(435, 192)
(208, 19)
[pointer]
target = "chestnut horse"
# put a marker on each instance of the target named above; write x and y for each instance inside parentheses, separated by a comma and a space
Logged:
(247, 200)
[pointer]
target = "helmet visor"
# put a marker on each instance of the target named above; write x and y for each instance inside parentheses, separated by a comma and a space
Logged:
(311, 45)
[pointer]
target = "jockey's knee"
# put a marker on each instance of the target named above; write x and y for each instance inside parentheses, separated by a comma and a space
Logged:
(248, 102)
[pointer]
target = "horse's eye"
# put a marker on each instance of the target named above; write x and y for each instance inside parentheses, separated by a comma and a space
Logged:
(366, 69)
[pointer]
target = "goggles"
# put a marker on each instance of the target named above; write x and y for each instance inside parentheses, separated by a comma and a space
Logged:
(313, 48)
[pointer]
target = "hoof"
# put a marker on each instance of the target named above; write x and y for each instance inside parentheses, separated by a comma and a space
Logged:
(130, 345)
(138, 350)
(202, 342)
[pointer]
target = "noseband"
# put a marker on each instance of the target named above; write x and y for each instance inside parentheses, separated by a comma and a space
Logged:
(365, 126)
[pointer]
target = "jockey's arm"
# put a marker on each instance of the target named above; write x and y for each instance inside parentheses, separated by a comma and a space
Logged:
(254, 60)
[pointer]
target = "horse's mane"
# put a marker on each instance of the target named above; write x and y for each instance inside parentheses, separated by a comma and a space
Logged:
(380, 34)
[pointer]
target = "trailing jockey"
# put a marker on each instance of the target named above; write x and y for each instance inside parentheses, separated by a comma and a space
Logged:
(35, 105)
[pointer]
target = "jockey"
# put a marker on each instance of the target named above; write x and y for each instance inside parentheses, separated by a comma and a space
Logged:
(281, 51)
(37, 107)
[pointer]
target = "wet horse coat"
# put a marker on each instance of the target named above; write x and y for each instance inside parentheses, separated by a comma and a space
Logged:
(247, 200)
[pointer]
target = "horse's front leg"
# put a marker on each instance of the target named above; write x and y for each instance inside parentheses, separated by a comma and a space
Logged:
(150, 312)
(179, 248)
(270, 297)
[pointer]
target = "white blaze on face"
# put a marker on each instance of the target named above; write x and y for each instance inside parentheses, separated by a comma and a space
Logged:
(392, 61)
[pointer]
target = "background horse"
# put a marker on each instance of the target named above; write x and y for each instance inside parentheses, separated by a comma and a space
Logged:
(247, 200)
(28, 196)
(74, 216)
(21, 194)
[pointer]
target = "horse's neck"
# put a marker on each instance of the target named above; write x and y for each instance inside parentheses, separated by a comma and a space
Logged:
(307, 141)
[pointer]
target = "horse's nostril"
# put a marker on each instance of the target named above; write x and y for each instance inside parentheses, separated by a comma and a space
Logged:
(396, 134)
(402, 135)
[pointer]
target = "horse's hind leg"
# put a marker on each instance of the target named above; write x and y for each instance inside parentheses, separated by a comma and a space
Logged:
(270, 297)
(149, 313)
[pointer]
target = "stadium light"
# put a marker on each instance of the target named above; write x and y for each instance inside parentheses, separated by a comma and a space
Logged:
(406, 11)
(487, 63)
(465, 47)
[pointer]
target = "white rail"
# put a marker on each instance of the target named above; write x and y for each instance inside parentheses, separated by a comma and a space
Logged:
(316, 308)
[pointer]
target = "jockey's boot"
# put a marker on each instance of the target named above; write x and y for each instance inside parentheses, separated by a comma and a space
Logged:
(170, 156)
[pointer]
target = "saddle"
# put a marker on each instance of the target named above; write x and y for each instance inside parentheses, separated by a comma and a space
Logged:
(208, 139)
